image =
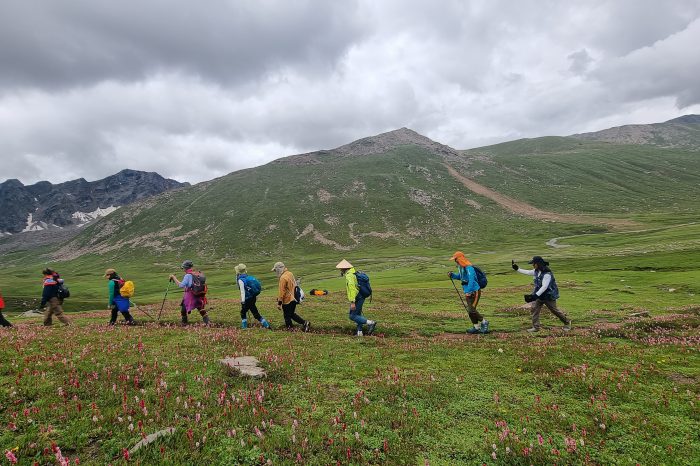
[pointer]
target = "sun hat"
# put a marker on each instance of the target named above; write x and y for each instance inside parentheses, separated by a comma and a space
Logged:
(343, 265)
(110, 272)
(240, 268)
(278, 266)
(538, 260)
(460, 258)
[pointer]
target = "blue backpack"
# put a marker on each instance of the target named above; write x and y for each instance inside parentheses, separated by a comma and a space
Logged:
(252, 286)
(480, 277)
(364, 289)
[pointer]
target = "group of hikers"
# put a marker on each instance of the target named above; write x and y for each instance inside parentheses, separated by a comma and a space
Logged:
(290, 294)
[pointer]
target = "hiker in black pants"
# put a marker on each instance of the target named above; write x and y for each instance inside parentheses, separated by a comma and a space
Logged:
(4, 322)
(117, 303)
(285, 298)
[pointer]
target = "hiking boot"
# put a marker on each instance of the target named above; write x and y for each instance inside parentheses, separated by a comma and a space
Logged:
(359, 333)
(473, 330)
(484, 326)
(244, 323)
(370, 327)
(567, 326)
(307, 326)
(533, 330)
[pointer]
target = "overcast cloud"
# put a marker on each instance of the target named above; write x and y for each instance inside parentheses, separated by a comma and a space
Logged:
(197, 90)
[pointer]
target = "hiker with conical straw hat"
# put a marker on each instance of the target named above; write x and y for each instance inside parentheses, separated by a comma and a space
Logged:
(356, 299)
(472, 291)
(250, 289)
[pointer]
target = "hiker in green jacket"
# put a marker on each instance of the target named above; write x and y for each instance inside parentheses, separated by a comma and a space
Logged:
(117, 303)
(355, 298)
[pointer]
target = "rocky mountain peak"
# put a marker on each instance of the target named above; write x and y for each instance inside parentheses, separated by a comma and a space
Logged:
(686, 119)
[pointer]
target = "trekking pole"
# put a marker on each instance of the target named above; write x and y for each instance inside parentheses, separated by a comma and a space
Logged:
(164, 298)
(460, 295)
(142, 310)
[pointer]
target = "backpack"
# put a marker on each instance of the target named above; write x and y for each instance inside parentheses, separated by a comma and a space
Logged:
(126, 288)
(364, 289)
(63, 291)
(299, 293)
(252, 286)
(199, 284)
(480, 277)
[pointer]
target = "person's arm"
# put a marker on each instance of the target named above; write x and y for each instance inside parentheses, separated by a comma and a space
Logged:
(280, 292)
(45, 292)
(546, 280)
(351, 285)
(111, 293)
(241, 286)
(530, 272)
(186, 281)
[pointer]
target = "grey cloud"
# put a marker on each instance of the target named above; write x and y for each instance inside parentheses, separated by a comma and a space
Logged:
(151, 85)
(580, 61)
(80, 42)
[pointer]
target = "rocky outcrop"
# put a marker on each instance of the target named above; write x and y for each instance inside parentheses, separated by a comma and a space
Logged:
(44, 206)
(679, 133)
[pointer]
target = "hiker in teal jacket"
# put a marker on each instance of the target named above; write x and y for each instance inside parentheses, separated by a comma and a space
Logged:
(472, 291)
(117, 303)
(355, 298)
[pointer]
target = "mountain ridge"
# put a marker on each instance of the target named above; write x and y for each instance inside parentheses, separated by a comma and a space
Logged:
(43, 205)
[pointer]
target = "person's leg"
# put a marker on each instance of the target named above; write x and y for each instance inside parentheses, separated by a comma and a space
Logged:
(358, 318)
(128, 317)
(296, 317)
(4, 322)
(552, 306)
(48, 313)
(58, 312)
(205, 316)
(183, 312)
(535, 311)
(113, 317)
(254, 310)
(244, 313)
(288, 311)
(472, 300)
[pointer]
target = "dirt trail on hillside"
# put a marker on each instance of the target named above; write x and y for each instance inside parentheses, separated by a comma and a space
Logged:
(527, 210)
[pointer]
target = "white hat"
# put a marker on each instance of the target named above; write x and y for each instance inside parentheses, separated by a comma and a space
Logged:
(240, 268)
(344, 265)
(278, 266)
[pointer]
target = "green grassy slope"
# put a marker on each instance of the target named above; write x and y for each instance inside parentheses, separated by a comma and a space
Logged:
(567, 175)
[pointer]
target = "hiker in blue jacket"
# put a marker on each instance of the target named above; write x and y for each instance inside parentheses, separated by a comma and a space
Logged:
(472, 291)
(250, 288)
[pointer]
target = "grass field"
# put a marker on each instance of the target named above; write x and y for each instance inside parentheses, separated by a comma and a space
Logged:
(616, 390)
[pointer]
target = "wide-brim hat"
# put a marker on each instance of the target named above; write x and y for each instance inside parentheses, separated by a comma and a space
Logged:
(538, 260)
(110, 272)
(343, 265)
(240, 268)
(278, 266)
(460, 258)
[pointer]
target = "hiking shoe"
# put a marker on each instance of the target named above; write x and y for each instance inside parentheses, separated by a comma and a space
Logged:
(567, 326)
(484, 326)
(533, 330)
(307, 326)
(359, 333)
(472, 330)
(370, 327)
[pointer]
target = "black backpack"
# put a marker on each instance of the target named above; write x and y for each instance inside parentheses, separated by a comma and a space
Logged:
(199, 284)
(480, 277)
(63, 292)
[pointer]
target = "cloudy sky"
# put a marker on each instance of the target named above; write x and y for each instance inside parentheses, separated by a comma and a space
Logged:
(194, 90)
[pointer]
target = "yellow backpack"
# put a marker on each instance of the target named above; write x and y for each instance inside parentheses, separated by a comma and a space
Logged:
(127, 289)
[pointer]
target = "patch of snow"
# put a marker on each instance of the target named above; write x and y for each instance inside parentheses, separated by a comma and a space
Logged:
(85, 217)
(34, 226)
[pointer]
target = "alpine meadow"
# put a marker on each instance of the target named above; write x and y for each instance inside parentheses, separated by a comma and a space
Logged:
(618, 223)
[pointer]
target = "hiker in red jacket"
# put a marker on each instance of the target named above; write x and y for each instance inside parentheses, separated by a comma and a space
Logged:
(4, 322)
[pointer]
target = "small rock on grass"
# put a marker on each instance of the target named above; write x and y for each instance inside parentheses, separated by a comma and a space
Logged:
(245, 365)
(151, 438)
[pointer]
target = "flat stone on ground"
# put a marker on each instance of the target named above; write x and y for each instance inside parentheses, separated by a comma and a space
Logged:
(151, 438)
(245, 365)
